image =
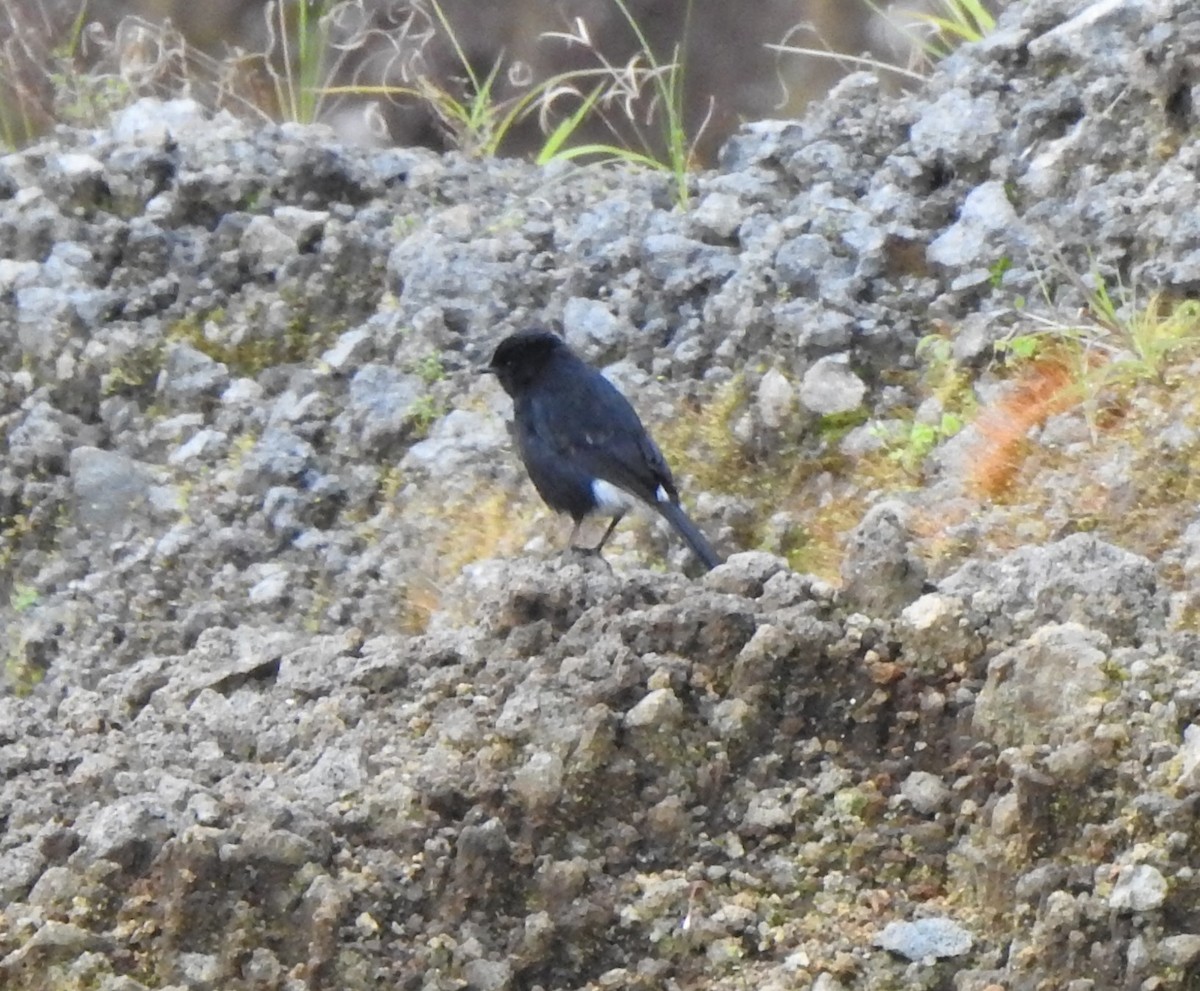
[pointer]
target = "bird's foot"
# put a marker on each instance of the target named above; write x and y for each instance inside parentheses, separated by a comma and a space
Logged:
(585, 554)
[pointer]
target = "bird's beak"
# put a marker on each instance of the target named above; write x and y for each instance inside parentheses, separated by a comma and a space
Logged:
(485, 370)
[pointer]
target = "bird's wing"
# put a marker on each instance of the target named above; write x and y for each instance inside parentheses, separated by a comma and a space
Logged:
(589, 423)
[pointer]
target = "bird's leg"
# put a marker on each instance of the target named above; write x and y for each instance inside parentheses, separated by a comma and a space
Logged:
(574, 549)
(574, 533)
(607, 533)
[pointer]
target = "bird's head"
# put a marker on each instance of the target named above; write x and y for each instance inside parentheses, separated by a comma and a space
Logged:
(520, 358)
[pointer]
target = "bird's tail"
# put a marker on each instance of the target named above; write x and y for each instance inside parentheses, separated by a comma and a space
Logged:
(687, 530)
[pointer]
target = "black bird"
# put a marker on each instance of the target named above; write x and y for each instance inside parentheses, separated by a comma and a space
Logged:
(584, 447)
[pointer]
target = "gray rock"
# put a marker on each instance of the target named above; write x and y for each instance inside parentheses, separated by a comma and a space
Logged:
(201, 971)
(680, 263)
(1182, 950)
(732, 718)
(957, 128)
(263, 848)
(984, 231)
(881, 571)
(936, 635)
(380, 408)
(279, 456)
(128, 832)
(776, 398)
(1079, 579)
(110, 489)
(432, 268)
(1091, 31)
(925, 939)
(265, 246)
(112, 982)
(719, 214)
(154, 122)
(830, 386)
(80, 173)
(766, 813)
(39, 441)
(44, 320)
(1040, 882)
(20, 868)
(16, 274)
(203, 445)
(351, 349)
(303, 227)
(53, 942)
(272, 587)
(925, 792)
(1189, 759)
(488, 975)
(456, 442)
(591, 329)
(1047, 689)
(1139, 888)
(815, 329)
(658, 709)
(339, 774)
(189, 375)
(802, 261)
(538, 784)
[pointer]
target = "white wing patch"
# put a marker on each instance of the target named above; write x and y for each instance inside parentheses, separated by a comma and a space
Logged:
(610, 499)
(661, 494)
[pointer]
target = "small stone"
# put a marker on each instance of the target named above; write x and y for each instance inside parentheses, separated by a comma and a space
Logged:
(925, 792)
(488, 975)
(668, 818)
(776, 398)
(1139, 888)
(151, 122)
(1181, 951)
(203, 445)
(128, 831)
(590, 327)
(272, 588)
(657, 709)
(262, 967)
(1040, 690)
(19, 869)
(985, 223)
(730, 718)
(830, 386)
(265, 245)
(766, 813)
(539, 783)
(719, 214)
(1006, 815)
(1189, 759)
(189, 375)
(110, 488)
(881, 572)
(350, 350)
(199, 970)
(926, 938)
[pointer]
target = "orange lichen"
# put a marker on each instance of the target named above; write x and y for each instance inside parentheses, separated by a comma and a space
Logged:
(1044, 387)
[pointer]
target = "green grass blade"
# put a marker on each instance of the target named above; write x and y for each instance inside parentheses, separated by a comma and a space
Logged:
(612, 153)
(553, 145)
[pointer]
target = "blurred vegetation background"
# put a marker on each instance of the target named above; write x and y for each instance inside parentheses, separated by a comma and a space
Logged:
(485, 76)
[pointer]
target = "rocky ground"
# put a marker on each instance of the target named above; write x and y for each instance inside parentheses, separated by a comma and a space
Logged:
(298, 692)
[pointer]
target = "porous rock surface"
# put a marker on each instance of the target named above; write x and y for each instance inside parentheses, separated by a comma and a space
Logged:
(298, 693)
